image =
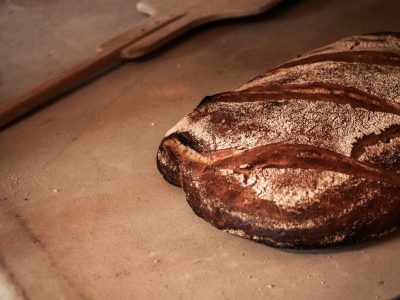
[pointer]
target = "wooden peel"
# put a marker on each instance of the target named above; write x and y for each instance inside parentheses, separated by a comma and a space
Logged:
(169, 19)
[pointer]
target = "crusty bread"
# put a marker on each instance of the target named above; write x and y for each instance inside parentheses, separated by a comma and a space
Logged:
(305, 156)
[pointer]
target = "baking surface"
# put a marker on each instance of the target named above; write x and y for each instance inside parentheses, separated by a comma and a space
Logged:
(86, 215)
(39, 39)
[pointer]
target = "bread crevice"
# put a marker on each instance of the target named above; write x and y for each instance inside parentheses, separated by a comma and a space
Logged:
(367, 57)
(372, 139)
(334, 93)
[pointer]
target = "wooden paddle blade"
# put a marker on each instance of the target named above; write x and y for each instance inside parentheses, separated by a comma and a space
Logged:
(169, 19)
(195, 13)
(221, 8)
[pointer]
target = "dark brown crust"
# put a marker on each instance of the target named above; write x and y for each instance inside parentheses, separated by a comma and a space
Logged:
(372, 219)
(365, 205)
(171, 170)
(384, 33)
(308, 92)
(306, 157)
(368, 57)
(373, 139)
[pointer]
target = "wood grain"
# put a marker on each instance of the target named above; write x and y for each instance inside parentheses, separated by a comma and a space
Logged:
(168, 20)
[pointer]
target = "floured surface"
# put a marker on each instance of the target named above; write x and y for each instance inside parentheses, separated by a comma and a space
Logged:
(376, 150)
(115, 230)
(361, 43)
(384, 83)
(292, 127)
(287, 187)
(244, 125)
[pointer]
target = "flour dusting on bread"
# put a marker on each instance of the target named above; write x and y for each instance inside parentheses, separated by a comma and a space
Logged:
(288, 187)
(305, 156)
(244, 125)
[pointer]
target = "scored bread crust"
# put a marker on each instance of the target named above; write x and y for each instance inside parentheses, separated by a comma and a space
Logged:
(304, 156)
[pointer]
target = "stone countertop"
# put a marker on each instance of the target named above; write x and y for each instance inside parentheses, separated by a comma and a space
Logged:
(86, 215)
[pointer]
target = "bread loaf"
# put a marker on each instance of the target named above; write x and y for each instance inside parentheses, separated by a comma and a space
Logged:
(305, 156)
